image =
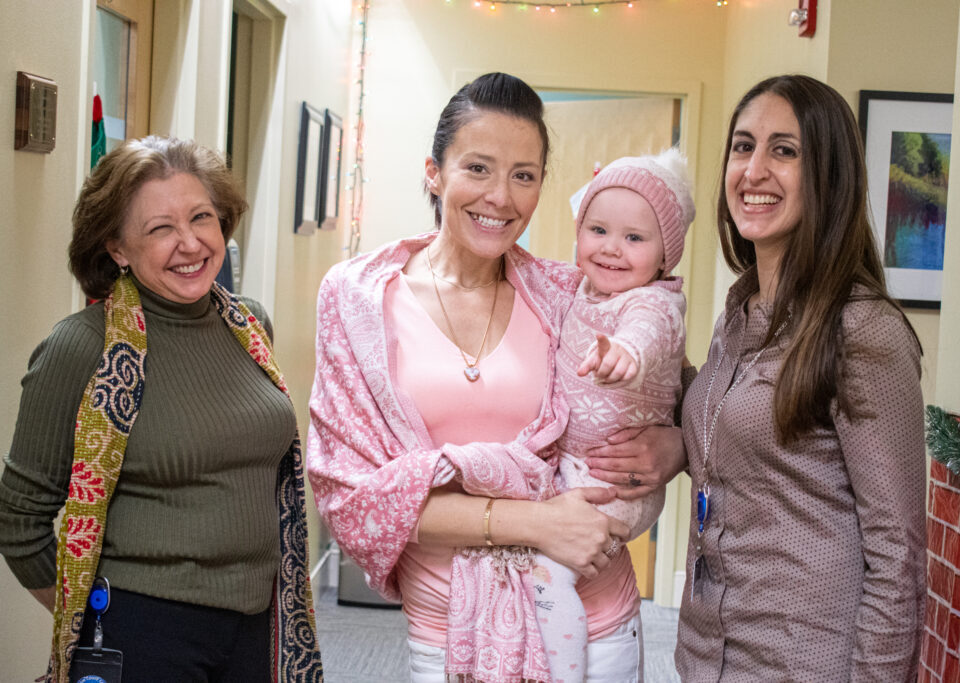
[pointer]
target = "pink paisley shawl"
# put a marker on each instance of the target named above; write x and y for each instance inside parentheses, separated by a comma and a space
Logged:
(372, 464)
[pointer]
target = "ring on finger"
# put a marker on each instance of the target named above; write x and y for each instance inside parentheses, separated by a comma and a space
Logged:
(633, 479)
(613, 547)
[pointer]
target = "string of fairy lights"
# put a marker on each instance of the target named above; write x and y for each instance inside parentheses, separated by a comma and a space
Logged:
(554, 7)
(356, 173)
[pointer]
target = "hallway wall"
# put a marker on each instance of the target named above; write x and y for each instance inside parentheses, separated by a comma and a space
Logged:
(896, 47)
(316, 69)
(948, 365)
(39, 191)
(309, 53)
(890, 47)
(420, 51)
(419, 57)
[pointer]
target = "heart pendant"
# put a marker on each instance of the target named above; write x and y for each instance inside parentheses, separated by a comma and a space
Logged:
(472, 372)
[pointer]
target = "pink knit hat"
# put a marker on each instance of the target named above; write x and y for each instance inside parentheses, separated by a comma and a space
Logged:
(661, 180)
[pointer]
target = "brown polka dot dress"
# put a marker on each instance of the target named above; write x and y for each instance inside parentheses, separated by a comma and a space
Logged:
(814, 553)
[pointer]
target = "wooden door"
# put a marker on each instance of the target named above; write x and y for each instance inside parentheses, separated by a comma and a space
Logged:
(121, 63)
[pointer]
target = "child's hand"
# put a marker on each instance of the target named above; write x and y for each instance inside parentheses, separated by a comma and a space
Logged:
(609, 362)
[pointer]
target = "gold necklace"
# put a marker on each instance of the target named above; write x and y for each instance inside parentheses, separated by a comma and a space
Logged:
(457, 284)
(470, 371)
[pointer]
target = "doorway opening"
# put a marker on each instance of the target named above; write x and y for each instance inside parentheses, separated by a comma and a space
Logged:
(589, 129)
(120, 62)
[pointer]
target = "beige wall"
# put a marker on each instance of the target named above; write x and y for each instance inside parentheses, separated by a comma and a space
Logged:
(759, 44)
(317, 60)
(419, 52)
(419, 57)
(897, 46)
(948, 365)
(39, 191)
(308, 52)
(40, 188)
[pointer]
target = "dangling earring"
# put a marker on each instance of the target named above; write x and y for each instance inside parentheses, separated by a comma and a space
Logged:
(124, 270)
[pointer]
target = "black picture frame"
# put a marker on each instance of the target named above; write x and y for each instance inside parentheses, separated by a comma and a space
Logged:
(306, 212)
(883, 116)
(331, 155)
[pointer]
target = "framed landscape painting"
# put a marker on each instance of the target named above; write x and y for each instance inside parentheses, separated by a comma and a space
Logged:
(907, 144)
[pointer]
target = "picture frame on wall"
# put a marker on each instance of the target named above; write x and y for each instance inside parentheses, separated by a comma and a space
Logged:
(906, 137)
(331, 154)
(306, 212)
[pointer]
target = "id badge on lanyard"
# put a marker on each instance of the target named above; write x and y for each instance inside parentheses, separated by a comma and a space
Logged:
(97, 664)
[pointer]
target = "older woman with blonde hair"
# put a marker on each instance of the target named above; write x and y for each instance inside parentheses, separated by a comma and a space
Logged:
(158, 420)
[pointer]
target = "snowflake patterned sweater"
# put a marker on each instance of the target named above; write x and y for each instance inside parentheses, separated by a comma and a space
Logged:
(648, 323)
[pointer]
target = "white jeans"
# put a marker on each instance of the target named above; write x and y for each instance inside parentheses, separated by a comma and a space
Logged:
(615, 658)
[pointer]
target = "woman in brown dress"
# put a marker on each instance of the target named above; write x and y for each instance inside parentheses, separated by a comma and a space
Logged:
(804, 430)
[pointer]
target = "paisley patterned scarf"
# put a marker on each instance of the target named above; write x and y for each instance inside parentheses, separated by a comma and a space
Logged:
(107, 412)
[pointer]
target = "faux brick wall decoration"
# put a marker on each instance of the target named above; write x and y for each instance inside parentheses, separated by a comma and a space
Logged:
(940, 652)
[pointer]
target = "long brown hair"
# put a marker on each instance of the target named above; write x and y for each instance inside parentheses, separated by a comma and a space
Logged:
(831, 250)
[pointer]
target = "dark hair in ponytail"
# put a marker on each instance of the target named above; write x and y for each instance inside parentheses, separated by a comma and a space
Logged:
(496, 92)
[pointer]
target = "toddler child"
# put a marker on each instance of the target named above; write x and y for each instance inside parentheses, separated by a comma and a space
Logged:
(621, 348)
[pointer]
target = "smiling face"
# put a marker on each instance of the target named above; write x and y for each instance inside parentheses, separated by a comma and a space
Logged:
(763, 181)
(489, 184)
(619, 245)
(171, 238)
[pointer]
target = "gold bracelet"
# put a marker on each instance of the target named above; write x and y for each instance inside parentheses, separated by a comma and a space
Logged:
(486, 522)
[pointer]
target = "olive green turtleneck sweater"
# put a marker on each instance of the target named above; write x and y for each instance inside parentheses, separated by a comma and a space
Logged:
(194, 516)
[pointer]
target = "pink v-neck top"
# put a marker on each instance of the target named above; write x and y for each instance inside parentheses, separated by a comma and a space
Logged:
(504, 400)
(496, 407)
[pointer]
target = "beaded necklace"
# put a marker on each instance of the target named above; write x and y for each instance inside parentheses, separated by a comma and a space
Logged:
(709, 430)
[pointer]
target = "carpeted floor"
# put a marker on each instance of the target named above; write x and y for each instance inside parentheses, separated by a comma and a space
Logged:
(369, 645)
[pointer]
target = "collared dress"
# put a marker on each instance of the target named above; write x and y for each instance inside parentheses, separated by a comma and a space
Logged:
(814, 551)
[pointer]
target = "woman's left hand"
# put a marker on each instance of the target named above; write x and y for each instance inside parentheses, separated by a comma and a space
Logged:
(639, 460)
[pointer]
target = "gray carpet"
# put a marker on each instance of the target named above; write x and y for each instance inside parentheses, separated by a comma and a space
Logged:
(659, 641)
(369, 645)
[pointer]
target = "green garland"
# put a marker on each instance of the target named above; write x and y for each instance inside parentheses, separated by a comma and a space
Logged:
(943, 437)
